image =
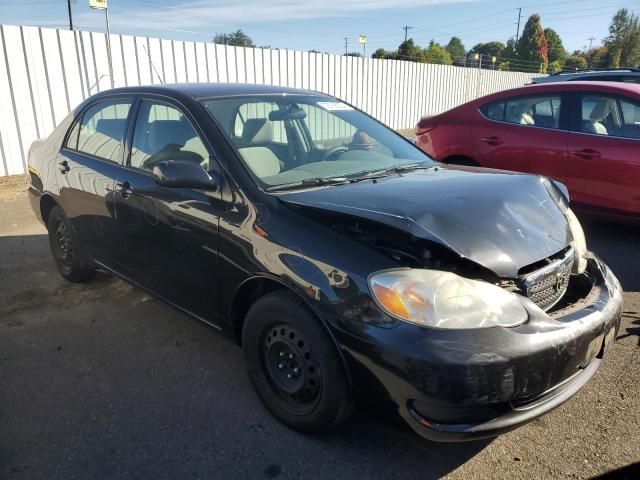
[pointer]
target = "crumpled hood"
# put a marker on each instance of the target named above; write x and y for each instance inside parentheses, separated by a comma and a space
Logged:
(502, 221)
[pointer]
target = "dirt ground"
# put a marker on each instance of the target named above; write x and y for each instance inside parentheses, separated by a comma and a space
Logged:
(101, 381)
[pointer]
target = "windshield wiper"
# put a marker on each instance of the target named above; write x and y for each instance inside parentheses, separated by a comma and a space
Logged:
(395, 169)
(309, 182)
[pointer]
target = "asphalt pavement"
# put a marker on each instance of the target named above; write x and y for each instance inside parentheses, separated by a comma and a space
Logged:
(101, 381)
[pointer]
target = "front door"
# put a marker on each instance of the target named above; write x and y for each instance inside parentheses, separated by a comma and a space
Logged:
(604, 153)
(87, 165)
(524, 134)
(171, 234)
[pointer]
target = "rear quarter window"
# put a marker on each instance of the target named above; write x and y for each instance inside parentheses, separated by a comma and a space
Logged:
(493, 111)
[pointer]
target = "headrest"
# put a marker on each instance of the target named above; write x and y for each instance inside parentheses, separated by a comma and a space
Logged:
(111, 127)
(165, 132)
(601, 110)
(257, 130)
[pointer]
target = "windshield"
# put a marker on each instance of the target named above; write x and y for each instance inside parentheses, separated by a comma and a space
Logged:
(294, 139)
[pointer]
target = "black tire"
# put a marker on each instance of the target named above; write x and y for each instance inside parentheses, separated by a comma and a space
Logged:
(72, 263)
(317, 397)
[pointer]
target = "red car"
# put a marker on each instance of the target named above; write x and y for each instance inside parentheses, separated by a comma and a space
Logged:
(584, 134)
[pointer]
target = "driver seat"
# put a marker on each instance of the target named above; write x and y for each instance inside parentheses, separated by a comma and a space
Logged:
(260, 159)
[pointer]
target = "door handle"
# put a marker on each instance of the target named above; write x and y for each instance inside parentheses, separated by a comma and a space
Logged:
(124, 189)
(63, 166)
(586, 153)
(492, 140)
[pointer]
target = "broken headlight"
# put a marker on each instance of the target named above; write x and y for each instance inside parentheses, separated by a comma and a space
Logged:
(561, 196)
(579, 243)
(440, 299)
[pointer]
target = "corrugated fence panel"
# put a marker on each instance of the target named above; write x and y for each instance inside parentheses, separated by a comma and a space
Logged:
(45, 73)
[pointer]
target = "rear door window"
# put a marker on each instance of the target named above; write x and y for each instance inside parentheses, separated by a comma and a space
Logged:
(102, 130)
(609, 115)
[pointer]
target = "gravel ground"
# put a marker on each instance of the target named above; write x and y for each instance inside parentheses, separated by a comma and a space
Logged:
(101, 381)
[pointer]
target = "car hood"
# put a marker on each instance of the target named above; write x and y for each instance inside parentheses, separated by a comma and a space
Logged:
(501, 220)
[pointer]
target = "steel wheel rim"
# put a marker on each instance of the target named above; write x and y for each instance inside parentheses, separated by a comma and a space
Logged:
(291, 367)
(64, 248)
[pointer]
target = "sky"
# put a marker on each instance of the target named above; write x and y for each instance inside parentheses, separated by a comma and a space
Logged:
(323, 24)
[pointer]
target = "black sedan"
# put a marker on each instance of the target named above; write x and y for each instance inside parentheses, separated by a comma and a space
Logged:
(346, 263)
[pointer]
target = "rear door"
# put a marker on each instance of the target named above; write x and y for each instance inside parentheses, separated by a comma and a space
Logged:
(524, 134)
(604, 152)
(87, 164)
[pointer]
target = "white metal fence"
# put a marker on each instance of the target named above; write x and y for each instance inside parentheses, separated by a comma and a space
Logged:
(44, 73)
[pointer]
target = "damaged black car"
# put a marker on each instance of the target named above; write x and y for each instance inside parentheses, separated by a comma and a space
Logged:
(347, 264)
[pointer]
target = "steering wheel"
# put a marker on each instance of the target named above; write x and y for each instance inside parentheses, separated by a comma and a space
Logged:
(171, 152)
(333, 151)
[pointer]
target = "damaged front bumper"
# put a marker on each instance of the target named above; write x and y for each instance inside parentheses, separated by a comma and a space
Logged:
(456, 385)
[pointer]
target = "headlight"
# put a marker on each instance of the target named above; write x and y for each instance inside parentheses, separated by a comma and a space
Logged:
(445, 300)
(579, 243)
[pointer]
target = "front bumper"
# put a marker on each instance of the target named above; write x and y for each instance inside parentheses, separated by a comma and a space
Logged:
(456, 385)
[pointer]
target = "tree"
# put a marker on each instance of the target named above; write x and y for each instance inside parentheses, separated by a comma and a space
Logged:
(575, 62)
(382, 53)
(456, 50)
(352, 54)
(408, 50)
(557, 53)
(532, 46)
(555, 66)
(235, 39)
(598, 57)
(623, 42)
(435, 53)
(489, 49)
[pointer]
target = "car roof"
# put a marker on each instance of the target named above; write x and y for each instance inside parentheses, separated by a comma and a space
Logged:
(212, 90)
(563, 76)
(610, 87)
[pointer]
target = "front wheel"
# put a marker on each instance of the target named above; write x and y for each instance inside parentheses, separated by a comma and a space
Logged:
(72, 263)
(294, 365)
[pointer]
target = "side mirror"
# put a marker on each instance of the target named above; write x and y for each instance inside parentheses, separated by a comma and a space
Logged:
(181, 174)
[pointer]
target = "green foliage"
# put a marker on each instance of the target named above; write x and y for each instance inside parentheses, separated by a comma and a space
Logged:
(532, 46)
(382, 53)
(235, 39)
(575, 62)
(505, 66)
(489, 49)
(352, 54)
(623, 42)
(598, 57)
(555, 66)
(557, 53)
(435, 53)
(456, 50)
(408, 50)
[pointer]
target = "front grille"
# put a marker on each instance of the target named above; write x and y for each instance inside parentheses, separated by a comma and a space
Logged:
(546, 286)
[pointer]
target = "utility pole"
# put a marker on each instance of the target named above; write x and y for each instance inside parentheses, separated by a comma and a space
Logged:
(406, 29)
(518, 28)
(346, 45)
(70, 18)
(591, 39)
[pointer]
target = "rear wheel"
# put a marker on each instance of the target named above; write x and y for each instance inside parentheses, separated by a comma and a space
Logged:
(294, 365)
(72, 263)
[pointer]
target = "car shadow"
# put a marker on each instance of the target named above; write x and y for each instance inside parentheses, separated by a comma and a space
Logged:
(617, 244)
(99, 380)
